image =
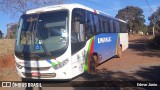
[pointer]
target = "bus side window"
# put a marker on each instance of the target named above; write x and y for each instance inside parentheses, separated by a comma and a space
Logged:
(118, 27)
(82, 32)
(88, 26)
(111, 26)
(103, 25)
(78, 30)
(100, 24)
(114, 26)
(108, 26)
(96, 23)
(74, 32)
(92, 23)
(78, 20)
(125, 28)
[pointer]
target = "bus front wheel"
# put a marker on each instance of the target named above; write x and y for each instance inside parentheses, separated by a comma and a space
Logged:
(93, 64)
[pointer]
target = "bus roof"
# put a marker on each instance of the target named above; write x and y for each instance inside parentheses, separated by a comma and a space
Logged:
(70, 7)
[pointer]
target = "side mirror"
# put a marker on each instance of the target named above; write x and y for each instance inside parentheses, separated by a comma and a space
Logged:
(76, 26)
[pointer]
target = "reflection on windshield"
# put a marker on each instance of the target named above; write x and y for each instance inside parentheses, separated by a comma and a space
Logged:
(38, 32)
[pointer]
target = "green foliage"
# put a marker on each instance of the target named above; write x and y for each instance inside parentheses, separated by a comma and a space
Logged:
(13, 34)
(145, 29)
(1, 34)
(134, 16)
(155, 20)
(155, 42)
(12, 31)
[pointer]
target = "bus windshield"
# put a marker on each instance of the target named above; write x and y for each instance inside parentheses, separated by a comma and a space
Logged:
(42, 33)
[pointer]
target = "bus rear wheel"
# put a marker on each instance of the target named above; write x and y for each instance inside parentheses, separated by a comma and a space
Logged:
(93, 64)
(119, 52)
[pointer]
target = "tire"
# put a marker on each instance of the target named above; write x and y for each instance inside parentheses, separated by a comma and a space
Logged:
(95, 57)
(119, 52)
(93, 64)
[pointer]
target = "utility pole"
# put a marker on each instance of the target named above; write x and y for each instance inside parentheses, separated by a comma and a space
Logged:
(153, 31)
(151, 10)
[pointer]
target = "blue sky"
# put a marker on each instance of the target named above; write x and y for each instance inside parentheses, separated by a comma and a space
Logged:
(108, 6)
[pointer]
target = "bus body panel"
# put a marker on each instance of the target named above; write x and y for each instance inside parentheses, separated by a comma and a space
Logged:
(104, 44)
(46, 66)
(78, 61)
(124, 40)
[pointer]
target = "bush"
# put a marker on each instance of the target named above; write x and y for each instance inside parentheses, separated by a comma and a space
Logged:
(155, 43)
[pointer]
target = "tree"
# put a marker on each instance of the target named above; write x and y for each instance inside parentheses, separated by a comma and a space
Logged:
(155, 20)
(11, 30)
(1, 34)
(16, 7)
(134, 16)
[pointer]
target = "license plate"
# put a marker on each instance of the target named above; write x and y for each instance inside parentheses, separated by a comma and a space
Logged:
(35, 74)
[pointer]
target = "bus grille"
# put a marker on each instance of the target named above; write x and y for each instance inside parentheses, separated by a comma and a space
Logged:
(41, 75)
(37, 69)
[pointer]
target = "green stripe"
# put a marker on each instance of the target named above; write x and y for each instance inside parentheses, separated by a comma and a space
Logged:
(53, 64)
(87, 57)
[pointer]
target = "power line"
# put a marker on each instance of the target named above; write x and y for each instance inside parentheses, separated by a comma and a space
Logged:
(151, 10)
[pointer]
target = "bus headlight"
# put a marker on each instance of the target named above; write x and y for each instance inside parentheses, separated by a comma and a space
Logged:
(19, 66)
(64, 62)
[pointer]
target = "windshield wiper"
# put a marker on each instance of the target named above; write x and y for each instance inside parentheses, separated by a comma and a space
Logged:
(25, 48)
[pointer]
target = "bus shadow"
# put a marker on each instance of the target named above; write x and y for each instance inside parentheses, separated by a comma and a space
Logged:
(121, 80)
(116, 80)
(144, 48)
(152, 73)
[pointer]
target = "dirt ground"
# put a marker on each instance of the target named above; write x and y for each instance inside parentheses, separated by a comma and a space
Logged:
(137, 63)
(7, 65)
(6, 53)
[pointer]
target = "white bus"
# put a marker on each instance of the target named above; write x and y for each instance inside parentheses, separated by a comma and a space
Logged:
(63, 41)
